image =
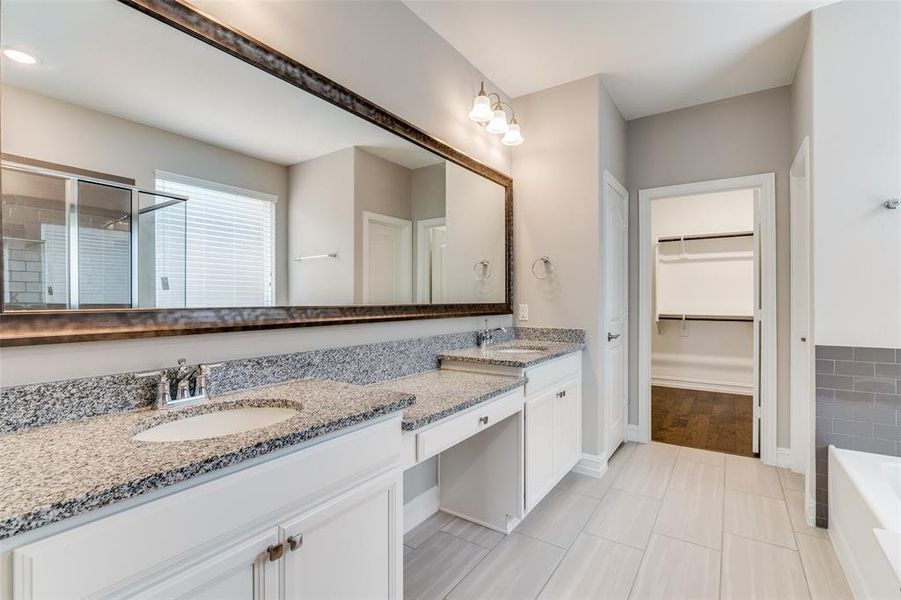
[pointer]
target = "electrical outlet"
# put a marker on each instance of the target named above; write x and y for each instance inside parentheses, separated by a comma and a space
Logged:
(523, 312)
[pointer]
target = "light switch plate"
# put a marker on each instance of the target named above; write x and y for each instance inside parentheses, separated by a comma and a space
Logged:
(523, 312)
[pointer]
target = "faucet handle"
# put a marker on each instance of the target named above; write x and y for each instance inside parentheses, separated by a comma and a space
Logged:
(163, 394)
(200, 387)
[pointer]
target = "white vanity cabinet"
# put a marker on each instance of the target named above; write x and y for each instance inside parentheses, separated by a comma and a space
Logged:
(553, 416)
(324, 521)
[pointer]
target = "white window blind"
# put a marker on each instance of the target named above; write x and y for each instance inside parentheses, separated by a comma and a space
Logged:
(230, 243)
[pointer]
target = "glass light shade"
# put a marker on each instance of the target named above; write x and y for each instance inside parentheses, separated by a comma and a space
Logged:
(481, 109)
(498, 123)
(513, 137)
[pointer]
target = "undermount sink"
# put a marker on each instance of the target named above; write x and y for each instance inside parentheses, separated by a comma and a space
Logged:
(216, 424)
(518, 349)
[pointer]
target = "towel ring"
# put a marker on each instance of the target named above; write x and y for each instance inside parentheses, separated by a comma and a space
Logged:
(485, 264)
(548, 267)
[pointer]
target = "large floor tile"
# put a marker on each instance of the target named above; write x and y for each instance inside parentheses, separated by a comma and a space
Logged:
(758, 517)
(758, 570)
(625, 518)
(697, 479)
(790, 480)
(824, 573)
(795, 502)
(586, 485)
(558, 518)
(696, 519)
(426, 529)
(481, 536)
(437, 565)
(644, 477)
(708, 457)
(674, 569)
(594, 568)
(621, 456)
(517, 569)
(656, 452)
(751, 475)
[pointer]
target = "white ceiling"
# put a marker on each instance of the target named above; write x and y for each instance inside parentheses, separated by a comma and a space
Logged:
(654, 56)
(111, 58)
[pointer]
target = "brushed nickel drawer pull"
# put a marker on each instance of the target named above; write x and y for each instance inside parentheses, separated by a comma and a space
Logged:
(483, 420)
(295, 542)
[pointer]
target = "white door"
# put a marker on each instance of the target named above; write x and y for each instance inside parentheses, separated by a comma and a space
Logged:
(431, 242)
(387, 259)
(539, 414)
(801, 346)
(616, 307)
(344, 550)
(758, 351)
(241, 571)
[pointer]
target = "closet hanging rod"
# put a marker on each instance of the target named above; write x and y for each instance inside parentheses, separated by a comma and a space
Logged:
(705, 236)
(730, 318)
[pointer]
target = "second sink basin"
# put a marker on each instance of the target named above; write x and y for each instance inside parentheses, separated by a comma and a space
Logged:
(216, 424)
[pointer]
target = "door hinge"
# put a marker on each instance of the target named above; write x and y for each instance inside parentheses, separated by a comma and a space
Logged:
(275, 552)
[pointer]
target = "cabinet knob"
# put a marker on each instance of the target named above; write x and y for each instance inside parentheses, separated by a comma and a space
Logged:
(275, 552)
(295, 542)
(483, 420)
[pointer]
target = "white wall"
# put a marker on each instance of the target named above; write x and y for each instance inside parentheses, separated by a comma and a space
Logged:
(321, 221)
(714, 356)
(856, 50)
(475, 224)
(740, 136)
(575, 132)
(43, 128)
(380, 50)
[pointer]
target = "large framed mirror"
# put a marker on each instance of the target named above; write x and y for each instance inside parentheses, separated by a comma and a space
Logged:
(163, 174)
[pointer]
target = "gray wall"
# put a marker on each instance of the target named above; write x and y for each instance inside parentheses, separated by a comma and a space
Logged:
(740, 136)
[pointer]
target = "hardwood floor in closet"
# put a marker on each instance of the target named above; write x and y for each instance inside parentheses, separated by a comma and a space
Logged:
(706, 420)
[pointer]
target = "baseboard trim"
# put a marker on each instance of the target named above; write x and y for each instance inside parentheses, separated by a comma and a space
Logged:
(784, 458)
(703, 385)
(632, 433)
(593, 465)
(420, 508)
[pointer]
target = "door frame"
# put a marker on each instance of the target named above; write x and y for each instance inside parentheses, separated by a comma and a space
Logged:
(765, 186)
(422, 247)
(609, 180)
(406, 244)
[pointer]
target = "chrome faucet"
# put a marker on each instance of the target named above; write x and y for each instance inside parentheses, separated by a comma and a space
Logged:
(184, 395)
(486, 336)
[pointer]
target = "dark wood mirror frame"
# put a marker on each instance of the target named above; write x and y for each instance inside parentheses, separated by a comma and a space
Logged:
(59, 326)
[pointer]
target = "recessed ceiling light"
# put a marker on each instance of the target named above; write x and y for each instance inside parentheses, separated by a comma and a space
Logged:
(19, 56)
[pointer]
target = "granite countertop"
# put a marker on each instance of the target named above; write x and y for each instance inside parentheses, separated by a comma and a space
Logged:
(58, 471)
(443, 393)
(533, 352)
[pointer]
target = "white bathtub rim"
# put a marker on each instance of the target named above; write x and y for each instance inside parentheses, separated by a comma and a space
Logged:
(864, 470)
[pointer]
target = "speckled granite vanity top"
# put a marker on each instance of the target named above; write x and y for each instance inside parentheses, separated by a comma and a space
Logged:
(518, 353)
(443, 393)
(50, 473)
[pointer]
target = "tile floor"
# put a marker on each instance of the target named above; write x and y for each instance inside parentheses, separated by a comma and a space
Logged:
(664, 522)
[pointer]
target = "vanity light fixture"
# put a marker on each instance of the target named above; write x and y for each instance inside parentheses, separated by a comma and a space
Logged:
(491, 112)
(20, 57)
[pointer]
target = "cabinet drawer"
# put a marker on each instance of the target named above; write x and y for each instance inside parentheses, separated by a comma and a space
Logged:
(456, 429)
(553, 372)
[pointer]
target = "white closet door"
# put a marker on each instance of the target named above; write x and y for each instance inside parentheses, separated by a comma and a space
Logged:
(616, 284)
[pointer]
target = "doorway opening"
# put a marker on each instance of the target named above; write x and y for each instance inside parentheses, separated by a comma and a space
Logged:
(707, 315)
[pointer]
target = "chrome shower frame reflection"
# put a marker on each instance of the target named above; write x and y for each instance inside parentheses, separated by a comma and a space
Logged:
(73, 301)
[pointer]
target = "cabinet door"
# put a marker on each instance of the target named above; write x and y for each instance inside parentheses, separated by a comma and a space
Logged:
(348, 548)
(539, 447)
(242, 571)
(568, 425)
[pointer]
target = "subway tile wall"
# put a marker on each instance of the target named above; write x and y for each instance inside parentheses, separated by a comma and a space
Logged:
(858, 406)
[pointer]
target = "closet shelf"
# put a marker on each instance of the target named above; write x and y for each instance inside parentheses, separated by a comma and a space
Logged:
(705, 236)
(686, 317)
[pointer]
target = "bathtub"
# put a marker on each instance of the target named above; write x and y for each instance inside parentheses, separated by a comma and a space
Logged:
(865, 520)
